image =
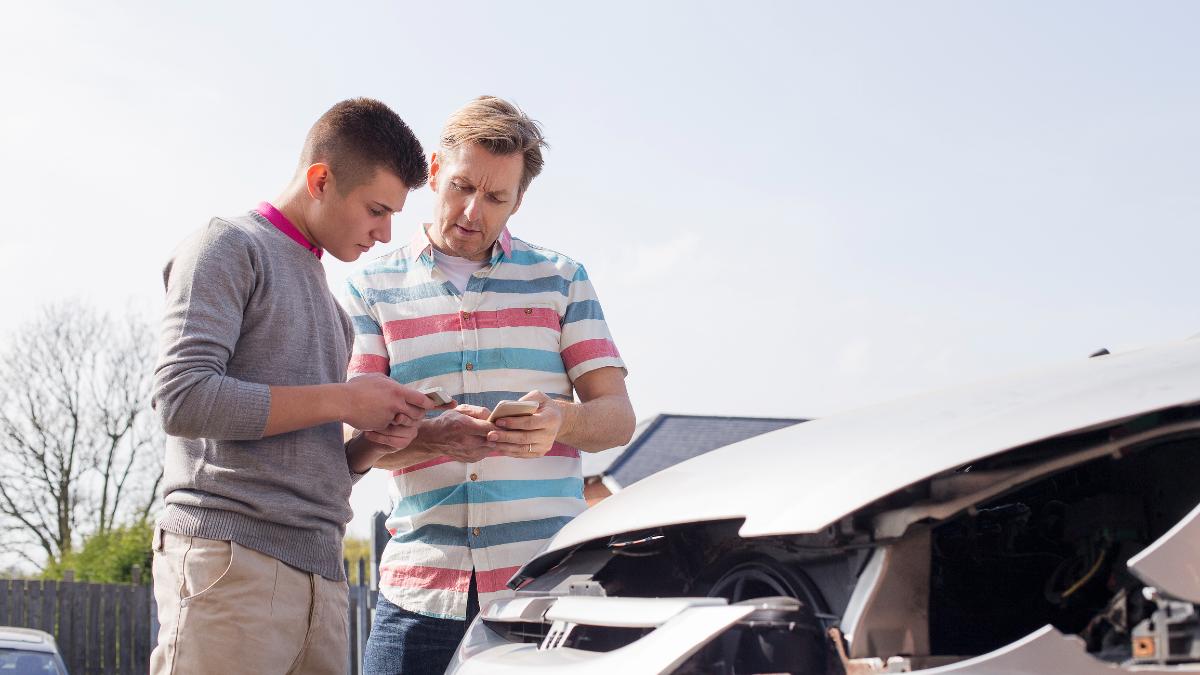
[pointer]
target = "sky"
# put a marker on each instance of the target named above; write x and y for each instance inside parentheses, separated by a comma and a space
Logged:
(787, 209)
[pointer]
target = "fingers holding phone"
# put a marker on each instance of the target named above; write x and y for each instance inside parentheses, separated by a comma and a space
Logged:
(509, 409)
(436, 398)
(439, 397)
(372, 402)
(526, 430)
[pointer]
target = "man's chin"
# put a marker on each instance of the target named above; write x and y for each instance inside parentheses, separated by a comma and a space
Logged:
(467, 249)
(347, 256)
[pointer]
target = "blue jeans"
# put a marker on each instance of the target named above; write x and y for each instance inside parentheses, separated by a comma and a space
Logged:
(407, 643)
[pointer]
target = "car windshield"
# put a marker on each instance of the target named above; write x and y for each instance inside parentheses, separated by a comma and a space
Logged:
(21, 662)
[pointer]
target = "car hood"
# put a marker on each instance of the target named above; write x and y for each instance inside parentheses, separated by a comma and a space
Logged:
(806, 477)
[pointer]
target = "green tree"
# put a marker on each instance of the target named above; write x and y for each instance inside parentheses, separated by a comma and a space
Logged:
(108, 557)
(354, 548)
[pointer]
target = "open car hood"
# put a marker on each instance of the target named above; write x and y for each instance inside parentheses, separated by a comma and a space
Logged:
(804, 478)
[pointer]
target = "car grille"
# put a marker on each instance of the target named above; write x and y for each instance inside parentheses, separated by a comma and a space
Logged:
(588, 638)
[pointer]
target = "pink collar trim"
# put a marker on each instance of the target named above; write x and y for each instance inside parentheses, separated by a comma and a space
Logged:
(281, 222)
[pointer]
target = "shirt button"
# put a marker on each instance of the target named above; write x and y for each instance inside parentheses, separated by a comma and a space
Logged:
(474, 476)
(529, 310)
(470, 366)
(475, 532)
(467, 316)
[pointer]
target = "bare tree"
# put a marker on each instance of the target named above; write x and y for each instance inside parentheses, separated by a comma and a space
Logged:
(80, 450)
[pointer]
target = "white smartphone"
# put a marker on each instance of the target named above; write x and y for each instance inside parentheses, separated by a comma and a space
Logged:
(437, 395)
(513, 409)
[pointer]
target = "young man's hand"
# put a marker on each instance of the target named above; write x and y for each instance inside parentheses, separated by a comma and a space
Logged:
(531, 435)
(376, 402)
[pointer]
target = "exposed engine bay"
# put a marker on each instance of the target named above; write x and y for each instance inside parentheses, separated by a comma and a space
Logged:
(1055, 552)
(868, 595)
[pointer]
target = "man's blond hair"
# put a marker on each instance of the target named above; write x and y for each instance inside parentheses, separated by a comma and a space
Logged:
(501, 128)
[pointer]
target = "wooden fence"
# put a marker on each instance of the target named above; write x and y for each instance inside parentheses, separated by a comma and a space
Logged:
(110, 629)
(364, 594)
(362, 604)
(100, 628)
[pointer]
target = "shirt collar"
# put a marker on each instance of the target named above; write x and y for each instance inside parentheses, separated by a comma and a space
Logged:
(420, 248)
(281, 222)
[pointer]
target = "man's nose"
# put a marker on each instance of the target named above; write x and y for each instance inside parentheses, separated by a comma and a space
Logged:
(472, 210)
(383, 234)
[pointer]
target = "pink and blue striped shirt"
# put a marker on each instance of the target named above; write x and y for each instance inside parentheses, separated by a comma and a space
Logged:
(528, 320)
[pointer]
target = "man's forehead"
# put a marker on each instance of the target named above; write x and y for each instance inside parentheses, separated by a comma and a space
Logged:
(481, 168)
(384, 187)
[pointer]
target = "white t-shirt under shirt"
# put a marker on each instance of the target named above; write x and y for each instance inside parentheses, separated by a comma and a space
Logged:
(457, 270)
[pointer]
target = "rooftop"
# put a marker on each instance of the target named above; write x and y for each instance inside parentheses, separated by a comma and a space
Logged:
(668, 439)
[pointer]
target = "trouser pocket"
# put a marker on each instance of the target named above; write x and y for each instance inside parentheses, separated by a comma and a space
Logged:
(206, 566)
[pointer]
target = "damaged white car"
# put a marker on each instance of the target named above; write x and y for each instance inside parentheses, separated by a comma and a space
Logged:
(1045, 523)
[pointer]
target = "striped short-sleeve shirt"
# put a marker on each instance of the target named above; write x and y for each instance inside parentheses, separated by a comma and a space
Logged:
(528, 320)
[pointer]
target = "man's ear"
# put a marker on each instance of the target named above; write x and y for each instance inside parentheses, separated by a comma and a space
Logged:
(318, 180)
(435, 165)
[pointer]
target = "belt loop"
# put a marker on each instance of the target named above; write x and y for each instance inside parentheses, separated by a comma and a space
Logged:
(159, 538)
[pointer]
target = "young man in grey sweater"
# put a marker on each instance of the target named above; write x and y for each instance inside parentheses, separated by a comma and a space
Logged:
(251, 389)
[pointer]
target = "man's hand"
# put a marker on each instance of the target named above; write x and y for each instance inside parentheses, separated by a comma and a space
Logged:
(531, 435)
(376, 402)
(393, 437)
(460, 434)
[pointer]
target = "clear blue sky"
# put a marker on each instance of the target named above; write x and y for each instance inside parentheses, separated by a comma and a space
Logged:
(787, 208)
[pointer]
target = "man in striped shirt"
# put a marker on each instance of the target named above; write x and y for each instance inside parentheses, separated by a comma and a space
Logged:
(487, 317)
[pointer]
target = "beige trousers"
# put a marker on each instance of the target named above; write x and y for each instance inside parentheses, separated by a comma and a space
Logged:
(226, 609)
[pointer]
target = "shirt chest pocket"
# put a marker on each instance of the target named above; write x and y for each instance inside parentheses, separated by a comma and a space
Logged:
(525, 336)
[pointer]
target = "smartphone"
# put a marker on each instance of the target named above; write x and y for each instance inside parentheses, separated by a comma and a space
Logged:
(513, 409)
(437, 395)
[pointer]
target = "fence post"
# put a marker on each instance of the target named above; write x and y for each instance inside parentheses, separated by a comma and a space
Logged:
(363, 615)
(49, 607)
(129, 611)
(16, 611)
(77, 659)
(94, 651)
(5, 601)
(33, 604)
(66, 618)
(142, 608)
(379, 539)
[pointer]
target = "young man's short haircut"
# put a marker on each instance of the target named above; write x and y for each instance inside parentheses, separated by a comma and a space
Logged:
(360, 135)
(499, 127)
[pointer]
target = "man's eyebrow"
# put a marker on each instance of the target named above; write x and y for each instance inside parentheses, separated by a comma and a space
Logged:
(385, 207)
(492, 193)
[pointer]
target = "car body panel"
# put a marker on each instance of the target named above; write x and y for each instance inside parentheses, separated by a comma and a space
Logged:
(685, 627)
(806, 477)
(29, 640)
(1172, 563)
(1045, 651)
(919, 520)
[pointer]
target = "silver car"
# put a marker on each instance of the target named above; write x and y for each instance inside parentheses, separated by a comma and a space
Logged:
(1043, 523)
(24, 651)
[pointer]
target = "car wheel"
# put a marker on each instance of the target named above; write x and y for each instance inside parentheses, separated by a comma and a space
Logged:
(763, 578)
(768, 642)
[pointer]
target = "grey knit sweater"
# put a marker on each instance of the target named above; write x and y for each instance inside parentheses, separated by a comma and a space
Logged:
(247, 307)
